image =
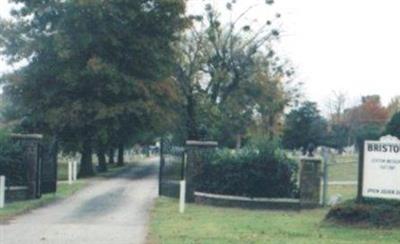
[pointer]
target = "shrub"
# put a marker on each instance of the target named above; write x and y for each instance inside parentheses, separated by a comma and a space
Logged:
(380, 213)
(260, 170)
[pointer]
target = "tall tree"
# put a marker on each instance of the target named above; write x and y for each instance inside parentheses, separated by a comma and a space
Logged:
(338, 135)
(219, 71)
(96, 69)
(336, 105)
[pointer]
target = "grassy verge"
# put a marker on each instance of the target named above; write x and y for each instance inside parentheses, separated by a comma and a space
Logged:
(202, 224)
(20, 207)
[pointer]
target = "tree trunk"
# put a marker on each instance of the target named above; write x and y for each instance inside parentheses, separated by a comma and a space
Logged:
(238, 142)
(191, 125)
(101, 156)
(111, 154)
(86, 168)
(120, 155)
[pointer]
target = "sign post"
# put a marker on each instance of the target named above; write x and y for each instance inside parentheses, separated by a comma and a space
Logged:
(360, 172)
(379, 169)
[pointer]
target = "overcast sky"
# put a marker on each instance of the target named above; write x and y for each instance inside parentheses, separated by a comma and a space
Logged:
(335, 45)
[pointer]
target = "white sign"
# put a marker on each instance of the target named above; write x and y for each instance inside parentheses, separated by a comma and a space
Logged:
(381, 174)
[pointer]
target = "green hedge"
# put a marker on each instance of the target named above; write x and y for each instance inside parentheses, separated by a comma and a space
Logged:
(261, 170)
(380, 213)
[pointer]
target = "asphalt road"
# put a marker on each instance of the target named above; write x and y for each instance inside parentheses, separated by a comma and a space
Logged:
(109, 211)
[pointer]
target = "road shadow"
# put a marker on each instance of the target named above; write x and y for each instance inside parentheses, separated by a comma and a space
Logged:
(97, 206)
(139, 171)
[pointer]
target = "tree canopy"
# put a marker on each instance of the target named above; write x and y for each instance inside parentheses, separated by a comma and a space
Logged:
(231, 78)
(98, 72)
(304, 126)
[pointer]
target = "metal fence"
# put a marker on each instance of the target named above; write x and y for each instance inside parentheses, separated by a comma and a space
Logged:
(172, 168)
(339, 176)
(31, 169)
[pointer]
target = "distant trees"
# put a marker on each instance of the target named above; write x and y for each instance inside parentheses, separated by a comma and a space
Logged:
(351, 125)
(336, 105)
(304, 126)
(394, 106)
(393, 126)
(367, 120)
(98, 73)
(338, 132)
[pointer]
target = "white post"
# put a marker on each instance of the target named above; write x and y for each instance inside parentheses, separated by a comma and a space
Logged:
(70, 172)
(75, 170)
(2, 190)
(182, 196)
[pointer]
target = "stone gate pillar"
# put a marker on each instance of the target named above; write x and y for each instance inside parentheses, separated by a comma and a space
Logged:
(197, 153)
(31, 159)
(310, 182)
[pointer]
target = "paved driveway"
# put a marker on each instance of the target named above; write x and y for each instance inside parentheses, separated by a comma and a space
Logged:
(109, 211)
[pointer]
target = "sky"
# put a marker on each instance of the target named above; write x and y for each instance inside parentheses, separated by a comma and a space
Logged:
(335, 45)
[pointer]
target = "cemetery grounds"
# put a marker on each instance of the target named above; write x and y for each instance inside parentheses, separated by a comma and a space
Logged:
(205, 224)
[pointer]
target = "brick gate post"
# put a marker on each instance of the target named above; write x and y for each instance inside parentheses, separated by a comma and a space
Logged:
(196, 155)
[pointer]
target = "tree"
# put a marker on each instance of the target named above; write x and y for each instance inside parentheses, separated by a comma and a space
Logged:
(98, 71)
(394, 106)
(367, 132)
(336, 105)
(304, 126)
(223, 71)
(337, 136)
(393, 127)
(370, 114)
(338, 131)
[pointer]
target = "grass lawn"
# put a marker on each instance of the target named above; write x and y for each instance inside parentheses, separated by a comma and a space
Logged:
(203, 224)
(343, 168)
(345, 191)
(343, 172)
(63, 191)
